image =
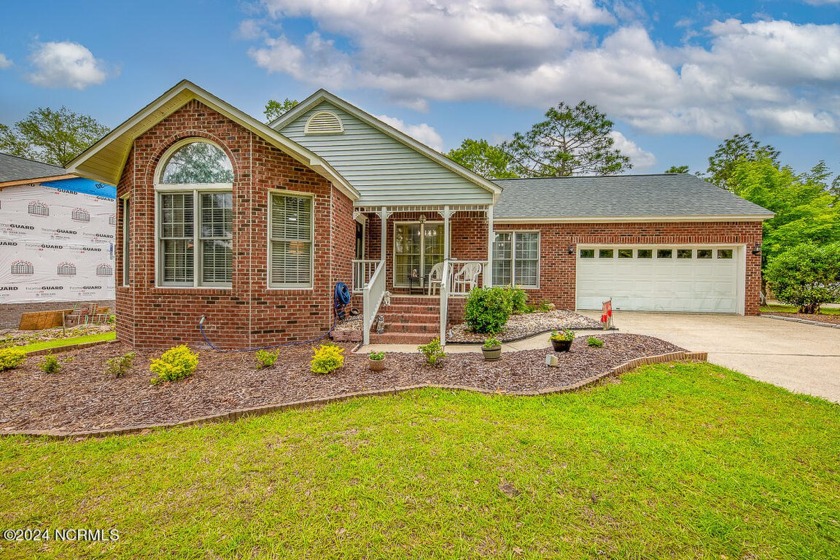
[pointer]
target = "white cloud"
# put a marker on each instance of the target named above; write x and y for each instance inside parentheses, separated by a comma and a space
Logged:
(5, 62)
(641, 159)
(421, 132)
(65, 65)
(762, 76)
(822, 2)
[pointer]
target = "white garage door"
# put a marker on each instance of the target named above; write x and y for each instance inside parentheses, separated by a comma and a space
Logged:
(659, 278)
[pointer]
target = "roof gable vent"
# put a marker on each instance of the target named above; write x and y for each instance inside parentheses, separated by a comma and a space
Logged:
(324, 122)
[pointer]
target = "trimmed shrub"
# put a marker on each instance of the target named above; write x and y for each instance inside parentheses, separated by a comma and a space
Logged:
(174, 364)
(433, 351)
(10, 358)
(120, 365)
(266, 359)
(50, 364)
(488, 309)
(519, 301)
(327, 358)
(806, 275)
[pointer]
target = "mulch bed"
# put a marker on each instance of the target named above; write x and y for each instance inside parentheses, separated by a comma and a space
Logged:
(818, 318)
(527, 324)
(83, 397)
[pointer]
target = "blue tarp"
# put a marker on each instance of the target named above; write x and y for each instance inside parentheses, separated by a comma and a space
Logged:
(85, 186)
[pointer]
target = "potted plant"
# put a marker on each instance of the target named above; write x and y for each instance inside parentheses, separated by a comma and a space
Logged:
(562, 341)
(492, 349)
(377, 361)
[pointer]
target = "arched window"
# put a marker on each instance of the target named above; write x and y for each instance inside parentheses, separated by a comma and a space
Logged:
(195, 213)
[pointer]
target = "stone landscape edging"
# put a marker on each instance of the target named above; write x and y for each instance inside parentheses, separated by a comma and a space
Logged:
(803, 321)
(267, 409)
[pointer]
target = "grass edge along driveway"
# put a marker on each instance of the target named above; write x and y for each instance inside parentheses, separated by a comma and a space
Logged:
(670, 460)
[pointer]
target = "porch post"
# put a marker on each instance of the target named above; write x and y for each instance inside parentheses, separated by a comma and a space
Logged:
(446, 247)
(488, 270)
(383, 217)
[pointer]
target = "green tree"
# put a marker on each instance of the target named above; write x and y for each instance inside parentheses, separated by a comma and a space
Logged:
(677, 169)
(483, 158)
(807, 276)
(732, 150)
(805, 210)
(570, 141)
(275, 109)
(49, 136)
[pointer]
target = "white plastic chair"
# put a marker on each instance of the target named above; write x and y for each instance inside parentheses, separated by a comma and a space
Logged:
(467, 278)
(435, 278)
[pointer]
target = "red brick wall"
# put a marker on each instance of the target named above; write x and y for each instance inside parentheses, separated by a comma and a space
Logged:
(557, 267)
(249, 313)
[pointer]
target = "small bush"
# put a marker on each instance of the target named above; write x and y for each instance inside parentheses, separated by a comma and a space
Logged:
(50, 364)
(518, 301)
(806, 275)
(377, 356)
(174, 364)
(433, 351)
(594, 342)
(545, 307)
(565, 334)
(120, 366)
(492, 342)
(488, 309)
(10, 358)
(266, 359)
(327, 358)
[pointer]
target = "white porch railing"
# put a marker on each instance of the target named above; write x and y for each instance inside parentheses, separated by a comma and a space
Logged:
(444, 300)
(373, 292)
(362, 272)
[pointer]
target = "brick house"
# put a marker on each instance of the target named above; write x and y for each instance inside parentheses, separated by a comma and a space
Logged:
(250, 226)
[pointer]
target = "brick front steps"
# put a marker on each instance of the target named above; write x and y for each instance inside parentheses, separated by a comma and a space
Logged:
(409, 320)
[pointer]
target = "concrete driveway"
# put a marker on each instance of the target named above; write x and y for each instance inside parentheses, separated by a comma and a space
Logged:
(801, 358)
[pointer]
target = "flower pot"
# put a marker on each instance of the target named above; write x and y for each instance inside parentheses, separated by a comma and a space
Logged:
(492, 354)
(561, 345)
(376, 365)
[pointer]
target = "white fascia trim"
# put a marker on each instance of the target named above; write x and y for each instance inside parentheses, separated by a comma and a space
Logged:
(629, 219)
(323, 95)
(289, 147)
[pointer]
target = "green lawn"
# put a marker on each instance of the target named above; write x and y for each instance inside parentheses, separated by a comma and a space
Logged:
(59, 342)
(685, 460)
(777, 308)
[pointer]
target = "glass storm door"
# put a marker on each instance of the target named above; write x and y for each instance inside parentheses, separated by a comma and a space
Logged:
(417, 248)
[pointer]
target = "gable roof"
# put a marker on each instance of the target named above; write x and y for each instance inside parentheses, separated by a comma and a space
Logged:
(15, 170)
(323, 95)
(105, 160)
(667, 197)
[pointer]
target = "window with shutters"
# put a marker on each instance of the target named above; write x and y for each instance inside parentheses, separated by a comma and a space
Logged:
(195, 216)
(290, 239)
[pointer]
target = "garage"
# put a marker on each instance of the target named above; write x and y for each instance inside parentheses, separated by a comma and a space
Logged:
(696, 278)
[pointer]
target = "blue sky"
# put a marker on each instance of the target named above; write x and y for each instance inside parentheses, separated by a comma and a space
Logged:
(676, 78)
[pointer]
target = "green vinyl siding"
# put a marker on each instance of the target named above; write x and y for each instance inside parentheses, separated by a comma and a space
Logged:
(384, 170)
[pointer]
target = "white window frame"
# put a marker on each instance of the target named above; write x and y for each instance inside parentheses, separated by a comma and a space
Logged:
(196, 189)
(269, 238)
(394, 276)
(513, 258)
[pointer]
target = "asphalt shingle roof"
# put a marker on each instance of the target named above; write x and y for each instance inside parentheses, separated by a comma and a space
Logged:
(619, 196)
(13, 168)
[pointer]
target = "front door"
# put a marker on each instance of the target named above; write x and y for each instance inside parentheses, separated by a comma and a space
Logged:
(417, 248)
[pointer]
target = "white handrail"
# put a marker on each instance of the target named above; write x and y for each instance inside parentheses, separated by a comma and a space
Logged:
(444, 300)
(373, 293)
(362, 272)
